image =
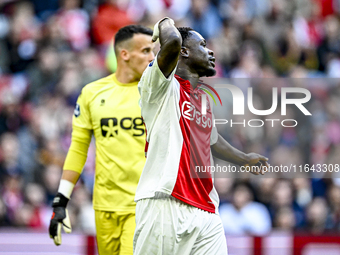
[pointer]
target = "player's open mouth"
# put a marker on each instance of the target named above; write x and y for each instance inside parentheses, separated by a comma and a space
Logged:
(212, 61)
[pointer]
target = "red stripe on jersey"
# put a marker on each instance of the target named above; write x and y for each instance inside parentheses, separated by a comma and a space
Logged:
(146, 142)
(194, 187)
(146, 148)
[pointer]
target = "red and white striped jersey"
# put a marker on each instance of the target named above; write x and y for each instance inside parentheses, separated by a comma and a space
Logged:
(178, 140)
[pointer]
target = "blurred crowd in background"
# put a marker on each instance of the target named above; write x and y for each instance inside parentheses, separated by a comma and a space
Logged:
(50, 49)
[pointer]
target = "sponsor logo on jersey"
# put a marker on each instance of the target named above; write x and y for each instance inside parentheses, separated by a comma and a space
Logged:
(109, 127)
(112, 126)
(191, 113)
(77, 110)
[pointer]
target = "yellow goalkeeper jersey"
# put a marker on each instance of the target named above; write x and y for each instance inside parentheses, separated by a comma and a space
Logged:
(110, 110)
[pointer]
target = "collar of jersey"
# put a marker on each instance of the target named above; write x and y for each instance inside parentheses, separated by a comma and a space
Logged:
(123, 84)
(185, 84)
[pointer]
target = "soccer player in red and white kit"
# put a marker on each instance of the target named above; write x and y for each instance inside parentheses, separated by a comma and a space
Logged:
(177, 208)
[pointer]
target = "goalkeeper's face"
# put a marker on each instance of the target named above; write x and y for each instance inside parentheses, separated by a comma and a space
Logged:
(140, 53)
(199, 57)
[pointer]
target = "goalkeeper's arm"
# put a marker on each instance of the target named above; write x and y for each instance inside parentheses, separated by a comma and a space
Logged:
(73, 166)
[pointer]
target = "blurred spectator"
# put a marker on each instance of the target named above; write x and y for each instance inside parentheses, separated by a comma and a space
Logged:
(83, 205)
(4, 30)
(10, 112)
(70, 82)
(203, 18)
(283, 197)
(244, 216)
(50, 181)
(23, 36)
(4, 221)
(54, 36)
(74, 23)
(287, 52)
(330, 45)
(9, 149)
(334, 202)
(224, 188)
(249, 63)
(91, 66)
(237, 11)
(43, 74)
(226, 46)
(317, 216)
(33, 212)
(272, 26)
(285, 219)
(265, 189)
(303, 190)
(151, 11)
(29, 138)
(44, 9)
(12, 196)
(109, 18)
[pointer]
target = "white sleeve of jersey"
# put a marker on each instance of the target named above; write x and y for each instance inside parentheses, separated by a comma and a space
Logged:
(153, 85)
(214, 133)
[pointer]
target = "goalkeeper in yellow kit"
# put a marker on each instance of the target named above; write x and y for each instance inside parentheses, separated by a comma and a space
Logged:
(108, 108)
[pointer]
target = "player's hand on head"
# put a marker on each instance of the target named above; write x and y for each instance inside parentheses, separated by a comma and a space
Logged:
(59, 218)
(257, 163)
(155, 34)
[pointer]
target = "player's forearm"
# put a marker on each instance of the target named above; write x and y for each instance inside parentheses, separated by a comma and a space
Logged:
(75, 160)
(223, 150)
(169, 36)
(70, 176)
(171, 42)
(77, 153)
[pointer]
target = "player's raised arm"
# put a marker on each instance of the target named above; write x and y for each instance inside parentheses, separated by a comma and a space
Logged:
(171, 42)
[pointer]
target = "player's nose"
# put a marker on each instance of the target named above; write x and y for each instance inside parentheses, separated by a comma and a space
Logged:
(152, 56)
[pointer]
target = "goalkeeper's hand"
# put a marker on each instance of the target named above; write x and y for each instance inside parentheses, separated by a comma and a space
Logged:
(155, 34)
(59, 217)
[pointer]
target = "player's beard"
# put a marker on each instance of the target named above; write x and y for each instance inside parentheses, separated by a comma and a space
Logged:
(204, 69)
(210, 72)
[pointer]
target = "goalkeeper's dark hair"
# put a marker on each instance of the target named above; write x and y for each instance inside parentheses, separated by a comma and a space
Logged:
(127, 32)
(184, 31)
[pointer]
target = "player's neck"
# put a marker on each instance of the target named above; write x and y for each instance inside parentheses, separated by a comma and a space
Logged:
(186, 74)
(125, 75)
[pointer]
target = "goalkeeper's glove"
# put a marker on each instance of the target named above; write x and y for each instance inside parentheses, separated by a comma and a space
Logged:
(155, 34)
(59, 217)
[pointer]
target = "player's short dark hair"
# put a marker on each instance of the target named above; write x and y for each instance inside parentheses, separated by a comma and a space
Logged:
(127, 32)
(184, 31)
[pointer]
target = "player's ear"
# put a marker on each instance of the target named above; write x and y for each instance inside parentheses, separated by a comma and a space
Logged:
(184, 52)
(125, 54)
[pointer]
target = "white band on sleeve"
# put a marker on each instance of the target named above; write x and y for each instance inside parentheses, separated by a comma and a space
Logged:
(66, 188)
